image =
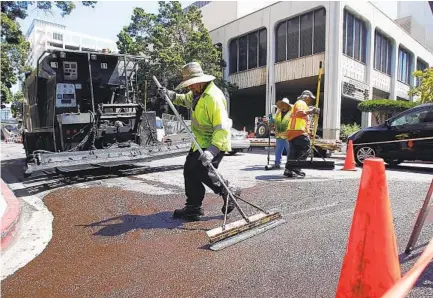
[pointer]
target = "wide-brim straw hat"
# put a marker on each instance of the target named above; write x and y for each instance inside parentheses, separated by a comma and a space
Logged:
(284, 102)
(192, 73)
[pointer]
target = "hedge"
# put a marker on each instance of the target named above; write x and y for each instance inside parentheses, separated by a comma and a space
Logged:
(386, 105)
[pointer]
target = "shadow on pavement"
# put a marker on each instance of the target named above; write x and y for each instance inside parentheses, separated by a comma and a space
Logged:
(425, 279)
(160, 220)
(410, 169)
(254, 168)
(56, 181)
(273, 178)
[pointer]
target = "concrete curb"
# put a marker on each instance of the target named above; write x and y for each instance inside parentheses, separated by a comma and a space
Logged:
(10, 218)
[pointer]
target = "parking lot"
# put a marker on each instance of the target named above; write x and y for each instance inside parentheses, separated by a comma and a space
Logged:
(114, 236)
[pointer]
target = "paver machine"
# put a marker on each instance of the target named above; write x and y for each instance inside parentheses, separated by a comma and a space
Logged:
(82, 111)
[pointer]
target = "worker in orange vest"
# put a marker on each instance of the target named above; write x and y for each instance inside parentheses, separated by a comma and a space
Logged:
(298, 133)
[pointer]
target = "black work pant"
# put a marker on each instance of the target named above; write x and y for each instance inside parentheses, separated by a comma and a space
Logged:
(299, 150)
(196, 176)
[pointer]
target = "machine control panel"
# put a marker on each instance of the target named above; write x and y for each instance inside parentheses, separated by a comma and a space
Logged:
(70, 71)
(65, 96)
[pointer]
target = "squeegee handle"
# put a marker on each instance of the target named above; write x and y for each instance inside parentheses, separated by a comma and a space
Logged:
(191, 135)
(167, 99)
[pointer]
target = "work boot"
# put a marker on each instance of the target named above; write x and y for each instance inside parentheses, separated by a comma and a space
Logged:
(299, 172)
(189, 212)
(293, 174)
(231, 205)
(272, 167)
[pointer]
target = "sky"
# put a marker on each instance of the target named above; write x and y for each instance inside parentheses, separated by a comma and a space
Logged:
(105, 20)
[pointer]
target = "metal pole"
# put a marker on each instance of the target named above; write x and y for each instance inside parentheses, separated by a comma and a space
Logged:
(420, 220)
(91, 83)
(145, 95)
(126, 79)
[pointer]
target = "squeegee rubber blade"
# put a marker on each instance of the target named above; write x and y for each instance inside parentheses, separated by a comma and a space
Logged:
(245, 235)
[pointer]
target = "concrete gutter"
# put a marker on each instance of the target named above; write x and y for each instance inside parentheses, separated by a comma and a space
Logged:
(10, 216)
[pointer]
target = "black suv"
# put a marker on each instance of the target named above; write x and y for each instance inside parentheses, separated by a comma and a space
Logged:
(415, 123)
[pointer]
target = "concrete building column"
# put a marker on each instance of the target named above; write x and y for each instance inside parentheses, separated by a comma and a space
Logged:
(333, 71)
(366, 117)
(394, 72)
(270, 66)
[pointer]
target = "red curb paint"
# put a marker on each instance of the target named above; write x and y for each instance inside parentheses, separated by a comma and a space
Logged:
(11, 216)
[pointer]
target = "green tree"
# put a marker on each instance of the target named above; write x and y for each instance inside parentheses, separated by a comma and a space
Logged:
(425, 88)
(13, 43)
(16, 101)
(170, 39)
(383, 109)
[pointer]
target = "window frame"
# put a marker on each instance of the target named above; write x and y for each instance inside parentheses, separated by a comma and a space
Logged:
(418, 112)
(362, 36)
(407, 67)
(247, 36)
(313, 31)
(418, 62)
(389, 50)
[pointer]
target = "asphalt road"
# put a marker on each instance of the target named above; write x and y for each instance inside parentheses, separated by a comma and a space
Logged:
(114, 237)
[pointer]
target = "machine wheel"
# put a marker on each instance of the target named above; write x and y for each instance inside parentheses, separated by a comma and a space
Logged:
(394, 162)
(262, 130)
(364, 152)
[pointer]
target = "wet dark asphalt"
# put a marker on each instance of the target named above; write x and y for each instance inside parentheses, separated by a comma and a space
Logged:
(109, 242)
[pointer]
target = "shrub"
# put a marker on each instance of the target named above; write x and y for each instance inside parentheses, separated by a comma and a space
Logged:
(347, 129)
(385, 108)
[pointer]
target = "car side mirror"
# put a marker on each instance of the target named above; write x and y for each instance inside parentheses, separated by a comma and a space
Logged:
(388, 123)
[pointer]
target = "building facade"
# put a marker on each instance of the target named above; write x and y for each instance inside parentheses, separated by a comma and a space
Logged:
(275, 52)
(44, 35)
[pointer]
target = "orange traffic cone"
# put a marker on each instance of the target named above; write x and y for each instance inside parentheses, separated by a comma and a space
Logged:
(371, 265)
(349, 163)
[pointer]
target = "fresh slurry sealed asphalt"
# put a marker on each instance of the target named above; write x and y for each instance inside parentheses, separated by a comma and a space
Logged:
(116, 238)
(115, 243)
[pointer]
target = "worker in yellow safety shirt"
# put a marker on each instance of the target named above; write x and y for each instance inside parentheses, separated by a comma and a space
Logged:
(281, 124)
(211, 127)
(298, 133)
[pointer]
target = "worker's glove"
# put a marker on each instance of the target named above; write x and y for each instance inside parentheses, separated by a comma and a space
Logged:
(164, 91)
(315, 111)
(208, 155)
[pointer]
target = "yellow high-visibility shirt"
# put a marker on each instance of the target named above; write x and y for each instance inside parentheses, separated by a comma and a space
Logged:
(281, 124)
(210, 123)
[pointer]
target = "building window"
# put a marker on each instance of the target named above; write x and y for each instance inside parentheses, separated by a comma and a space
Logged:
(404, 66)
(354, 37)
(248, 51)
(420, 65)
(58, 36)
(301, 36)
(382, 53)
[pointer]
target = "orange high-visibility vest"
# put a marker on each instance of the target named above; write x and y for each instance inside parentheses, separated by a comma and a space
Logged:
(298, 124)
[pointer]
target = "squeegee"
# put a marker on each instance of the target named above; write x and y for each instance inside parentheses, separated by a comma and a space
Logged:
(235, 232)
